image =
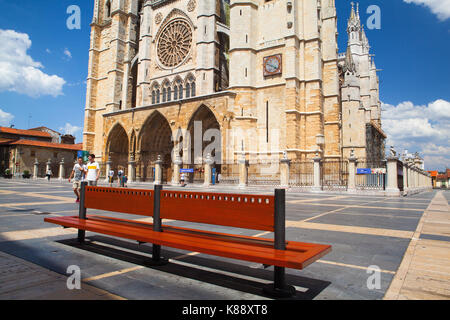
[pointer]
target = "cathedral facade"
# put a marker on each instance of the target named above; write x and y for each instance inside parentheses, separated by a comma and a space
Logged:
(180, 80)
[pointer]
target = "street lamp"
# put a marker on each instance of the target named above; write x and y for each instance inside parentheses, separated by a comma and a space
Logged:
(320, 141)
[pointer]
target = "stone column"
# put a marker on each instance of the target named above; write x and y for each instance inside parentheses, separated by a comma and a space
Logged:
(158, 171)
(416, 173)
(392, 175)
(351, 188)
(108, 168)
(176, 171)
(243, 172)
(132, 169)
(285, 172)
(208, 170)
(61, 170)
(405, 178)
(36, 169)
(317, 160)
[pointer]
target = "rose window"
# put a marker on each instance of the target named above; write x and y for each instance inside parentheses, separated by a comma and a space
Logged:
(174, 43)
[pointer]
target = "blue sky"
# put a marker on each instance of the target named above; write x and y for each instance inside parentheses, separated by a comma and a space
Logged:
(412, 48)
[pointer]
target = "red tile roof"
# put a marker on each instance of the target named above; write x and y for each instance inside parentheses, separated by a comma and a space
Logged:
(74, 147)
(33, 133)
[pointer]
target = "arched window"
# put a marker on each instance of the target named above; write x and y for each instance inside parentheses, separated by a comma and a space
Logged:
(193, 93)
(158, 93)
(169, 94)
(190, 86)
(153, 97)
(164, 95)
(175, 93)
(188, 90)
(180, 91)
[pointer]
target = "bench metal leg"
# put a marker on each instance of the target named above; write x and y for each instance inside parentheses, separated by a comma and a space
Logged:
(279, 289)
(81, 236)
(82, 212)
(156, 259)
(156, 255)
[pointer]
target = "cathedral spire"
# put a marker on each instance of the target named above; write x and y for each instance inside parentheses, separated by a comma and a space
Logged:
(354, 23)
(349, 64)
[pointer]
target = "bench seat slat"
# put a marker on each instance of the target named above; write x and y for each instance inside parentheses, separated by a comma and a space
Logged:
(290, 245)
(184, 241)
(193, 240)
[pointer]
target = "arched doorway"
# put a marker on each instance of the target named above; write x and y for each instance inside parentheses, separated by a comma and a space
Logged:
(155, 140)
(117, 149)
(205, 138)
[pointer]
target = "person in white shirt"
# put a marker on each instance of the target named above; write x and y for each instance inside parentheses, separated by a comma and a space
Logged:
(93, 171)
(120, 174)
(78, 174)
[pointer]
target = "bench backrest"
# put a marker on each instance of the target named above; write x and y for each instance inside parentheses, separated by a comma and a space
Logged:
(132, 201)
(254, 212)
(233, 210)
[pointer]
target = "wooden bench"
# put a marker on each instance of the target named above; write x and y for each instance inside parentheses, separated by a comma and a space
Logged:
(255, 212)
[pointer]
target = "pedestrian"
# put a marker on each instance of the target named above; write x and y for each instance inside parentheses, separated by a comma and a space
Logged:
(125, 180)
(219, 177)
(120, 174)
(93, 171)
(183, 179)
(49, 174)
(111, 177)
(78, 174)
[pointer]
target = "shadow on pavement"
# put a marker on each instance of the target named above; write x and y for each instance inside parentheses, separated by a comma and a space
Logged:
(103, 245)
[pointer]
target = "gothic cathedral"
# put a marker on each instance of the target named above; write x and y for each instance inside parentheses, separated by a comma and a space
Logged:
(260, 79)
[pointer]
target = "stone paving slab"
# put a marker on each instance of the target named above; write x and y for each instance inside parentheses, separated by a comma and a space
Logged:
(424, 272)
(22, 280)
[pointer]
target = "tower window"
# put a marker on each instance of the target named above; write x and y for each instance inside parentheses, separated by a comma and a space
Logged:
(153, 97)
(108, 9)
(175, 93)
(169, 94)
(157, 95)
(180, 91)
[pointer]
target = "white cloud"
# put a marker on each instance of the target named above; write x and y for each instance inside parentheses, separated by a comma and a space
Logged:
(67, 53)
(19, 72)
(48, 51)
(424, 129)
(441, 8)
(5, 118)
(70, 129)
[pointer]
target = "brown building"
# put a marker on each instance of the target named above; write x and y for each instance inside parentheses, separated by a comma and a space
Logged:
(21, 149)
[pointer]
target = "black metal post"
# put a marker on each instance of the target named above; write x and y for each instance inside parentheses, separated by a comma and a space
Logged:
(156, 249)
(82, 211)
(157, 220)
(279, 287)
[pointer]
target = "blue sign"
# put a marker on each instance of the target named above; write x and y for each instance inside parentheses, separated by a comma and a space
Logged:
(186, 170)
(364, 171)
(213, 176)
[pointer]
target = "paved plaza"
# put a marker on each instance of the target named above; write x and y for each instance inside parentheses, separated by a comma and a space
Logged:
(406, 238)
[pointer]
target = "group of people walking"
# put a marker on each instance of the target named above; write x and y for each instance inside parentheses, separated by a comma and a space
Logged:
(89, 172)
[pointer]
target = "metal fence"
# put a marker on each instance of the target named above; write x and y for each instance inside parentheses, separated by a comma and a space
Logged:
(265, 173)
(334, 175)
(375, 180)
(229, 174)
(301, 174)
